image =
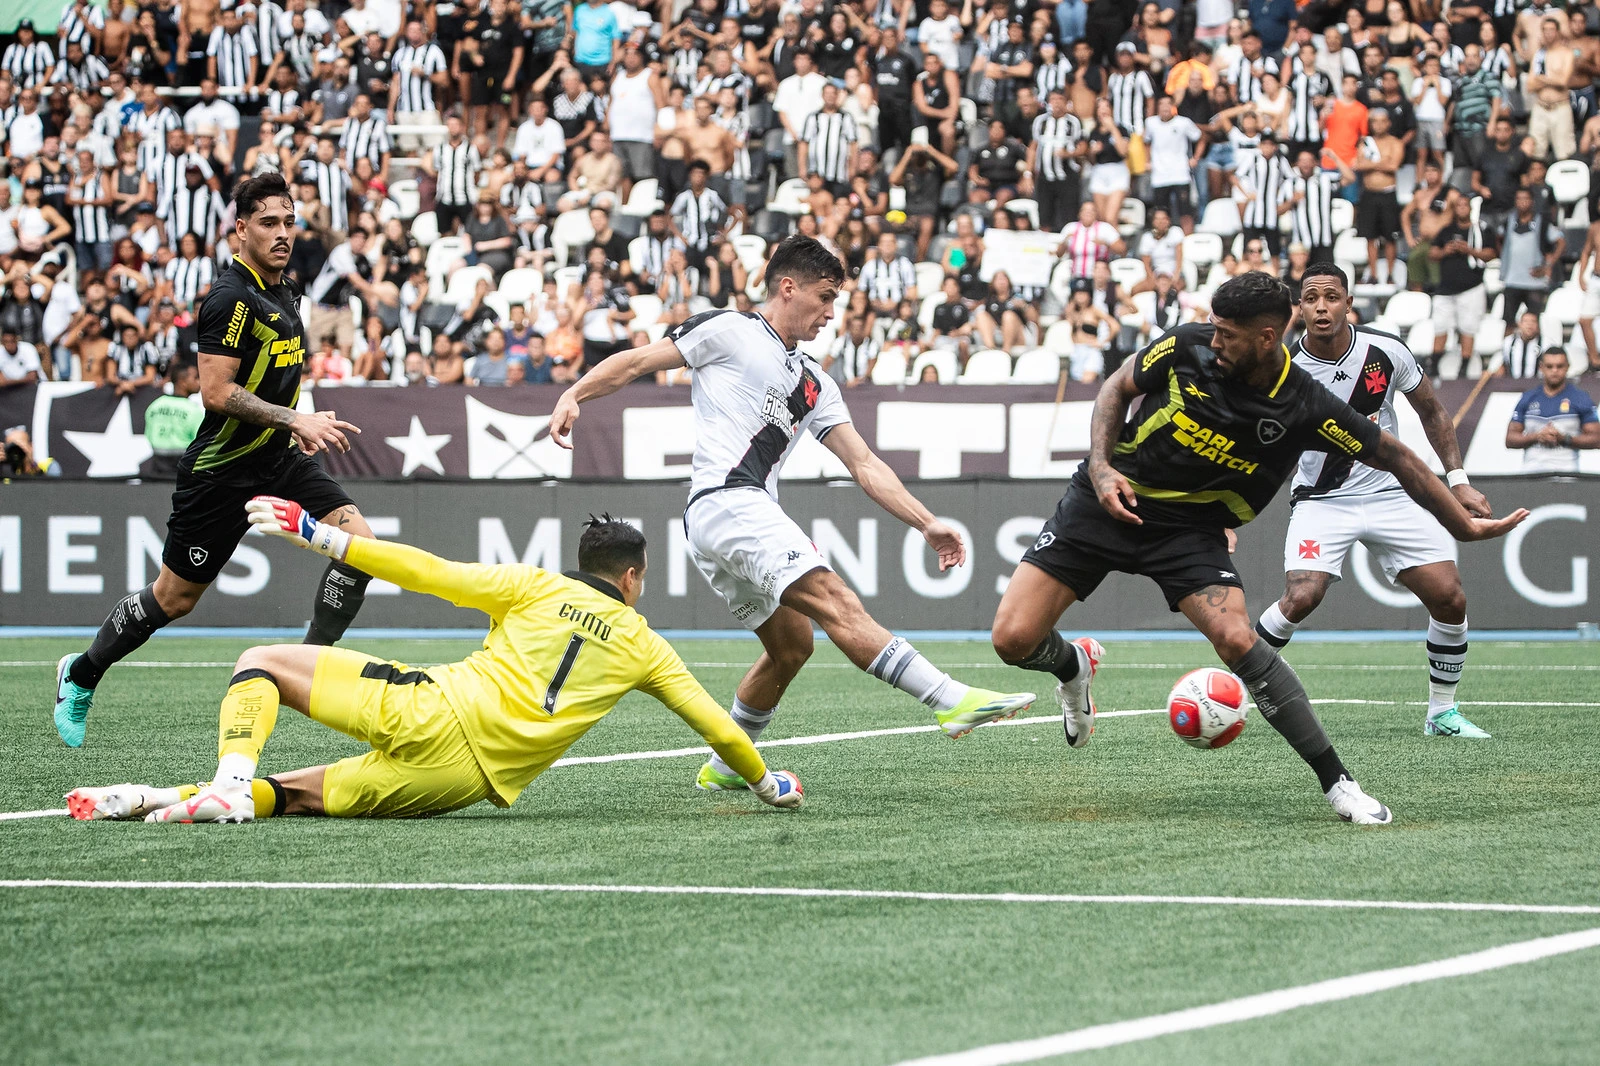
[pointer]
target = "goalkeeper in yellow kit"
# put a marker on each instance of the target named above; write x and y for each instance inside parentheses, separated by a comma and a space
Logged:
(562, 650)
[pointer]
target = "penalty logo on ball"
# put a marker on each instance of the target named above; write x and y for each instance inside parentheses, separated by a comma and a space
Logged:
(1207, 708)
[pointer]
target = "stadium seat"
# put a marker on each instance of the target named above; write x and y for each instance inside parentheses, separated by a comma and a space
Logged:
(1027, 207)
(442, 255)
(657, 331)
(644, 200)
(1491, 278)
(790, 199)
(1568, 181)
(404, 192)
(942, 361)
(1383, 325)
(1202, 249)
(1130, 221)
(890, 369)
(1058, 338)
(968, 112)
(1038, 367)
(636, 251)
(1127, 272)
(1564, 305)
(929, 277)
(752, 249)
(925, 312)
(1406, 309)
(989, 367)
(1491, 333)
(1343, 214)
(1420, 338)
(1349, 248)
(1221, 218)
(567, 278)
(1552, 334)
(425, 228)
(519, 284)
(572, 229)
(501, 306)
(464, 283)
(646, 311)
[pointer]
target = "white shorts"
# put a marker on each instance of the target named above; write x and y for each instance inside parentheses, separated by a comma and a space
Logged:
(1462, 312)
(749, 550)
(1086, 359)
(1107, 178)
(1591, 297)
(1397, 531)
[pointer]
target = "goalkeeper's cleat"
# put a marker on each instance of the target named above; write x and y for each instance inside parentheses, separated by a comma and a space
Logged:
(118, 803)
(1354, 805)
(1452, 723)
(980, 707)
(1077, 705)
(72, 705)
(710, 779)
(213, 803)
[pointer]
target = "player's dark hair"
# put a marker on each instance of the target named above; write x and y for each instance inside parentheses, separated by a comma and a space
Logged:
(1251, 296)
(805, 259)
(249, 194)
(1326, 270)
(609, 546)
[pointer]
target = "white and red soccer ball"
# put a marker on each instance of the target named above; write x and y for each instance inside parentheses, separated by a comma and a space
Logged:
(1207, 707)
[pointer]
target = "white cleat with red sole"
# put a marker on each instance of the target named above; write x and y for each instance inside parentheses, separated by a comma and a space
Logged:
(117, 803)
(210, 804)
(1077, 705)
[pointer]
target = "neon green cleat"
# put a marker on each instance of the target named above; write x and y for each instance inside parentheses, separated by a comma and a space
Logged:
(710, 779)
(1452, 723)
(981, 707)
(72, 705)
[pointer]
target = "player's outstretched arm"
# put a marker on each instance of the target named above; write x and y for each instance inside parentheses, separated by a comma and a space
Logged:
(1423, 486)
(491, 589)
(621, 369)
(1442, 435)
(884, 487)
(315, 432)
(1114, 492)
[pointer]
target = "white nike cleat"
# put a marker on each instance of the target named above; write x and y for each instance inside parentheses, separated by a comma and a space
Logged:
(211, 804)
(117, 803)
(1077, 706)
(1355, 806)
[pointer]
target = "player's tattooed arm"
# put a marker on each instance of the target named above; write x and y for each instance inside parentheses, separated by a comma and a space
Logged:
(246, 406)
(1423, 486)
(315, 432)
(1116, 495)
(1441, 432)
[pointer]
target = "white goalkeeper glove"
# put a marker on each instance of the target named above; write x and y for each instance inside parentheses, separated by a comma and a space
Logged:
(287, 519)
(779, 788)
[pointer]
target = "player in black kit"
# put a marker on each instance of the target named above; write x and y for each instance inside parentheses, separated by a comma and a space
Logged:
(1225, 416)
(252, 442)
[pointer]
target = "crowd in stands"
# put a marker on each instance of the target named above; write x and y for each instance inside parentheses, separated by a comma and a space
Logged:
(503, 193)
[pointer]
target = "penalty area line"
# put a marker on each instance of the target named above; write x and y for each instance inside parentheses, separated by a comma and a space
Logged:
(1264, 1005)
(795, 892)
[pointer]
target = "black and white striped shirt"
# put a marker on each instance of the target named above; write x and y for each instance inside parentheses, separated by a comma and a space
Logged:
(1498, 61)
(1519, 357)
(1050, 134)
(853, 360)
(887, 282)
(152, 127)
(168, 173)
(269, 38)
(369, 137)
(656, 251)
(457, 168)
(1129, 93)
(29, 64)
(188, 277)
(1313, 215)
(829, 137)
(738, 124)
(90, 223)
(700, 217)
(1244, 79)
(233, 52)
(282, 101)
(83, 76)
(1305, 117)
(1265, 180)
(514, 197)
(1052, 76)
(197, 211)
(711, 85)
(416, 90)
(75, 27)
(302, 51)
(333, 189)
(131, 364)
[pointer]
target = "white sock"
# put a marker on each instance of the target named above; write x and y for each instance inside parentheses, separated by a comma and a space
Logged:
(1275, 626)
(752, 721)
(1447, 655)
(901, 665)
(234, 770)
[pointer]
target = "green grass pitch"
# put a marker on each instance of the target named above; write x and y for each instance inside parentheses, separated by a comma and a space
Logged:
(365, 976)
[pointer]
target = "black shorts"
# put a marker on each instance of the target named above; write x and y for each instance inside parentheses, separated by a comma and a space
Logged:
(208, 517)
(1081, 544)
(1378, 216)
(486, 90)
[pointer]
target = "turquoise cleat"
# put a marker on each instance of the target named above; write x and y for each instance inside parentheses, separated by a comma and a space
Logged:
(980, 707)
(72, 704)
(1453, 723)
(710, 779)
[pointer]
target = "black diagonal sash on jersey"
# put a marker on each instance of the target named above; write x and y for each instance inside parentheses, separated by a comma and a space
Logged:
(1367, 396)
(768, 445)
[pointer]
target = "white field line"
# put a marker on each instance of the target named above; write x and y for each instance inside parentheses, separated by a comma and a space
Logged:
(807, 893)
(17, 816)
(1264, 1005)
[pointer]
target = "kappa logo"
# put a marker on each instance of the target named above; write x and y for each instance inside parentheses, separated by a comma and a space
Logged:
(1045, 540)
(1341, 376)
(792, 556)
(1269, 431)
(198, 556)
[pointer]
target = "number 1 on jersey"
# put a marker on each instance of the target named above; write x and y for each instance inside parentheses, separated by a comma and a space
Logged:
(568, 657)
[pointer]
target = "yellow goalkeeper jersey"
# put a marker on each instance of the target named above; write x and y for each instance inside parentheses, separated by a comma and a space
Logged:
(562, 650)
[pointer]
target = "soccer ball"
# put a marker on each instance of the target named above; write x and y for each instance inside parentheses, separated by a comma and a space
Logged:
(1207, 707)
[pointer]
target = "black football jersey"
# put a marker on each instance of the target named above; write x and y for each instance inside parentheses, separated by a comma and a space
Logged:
(1207, 449)
(258, 324)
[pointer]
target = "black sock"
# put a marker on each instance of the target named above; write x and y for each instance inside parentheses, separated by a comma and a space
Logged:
(1053, 656)
(1282, 701)
(123, 632)
(339, 597)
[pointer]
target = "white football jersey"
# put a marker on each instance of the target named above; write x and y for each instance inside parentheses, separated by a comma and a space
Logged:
(752, 399)
(1373, 366)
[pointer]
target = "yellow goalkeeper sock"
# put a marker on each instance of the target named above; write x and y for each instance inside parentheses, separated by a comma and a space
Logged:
(249, 712)
(265, 793)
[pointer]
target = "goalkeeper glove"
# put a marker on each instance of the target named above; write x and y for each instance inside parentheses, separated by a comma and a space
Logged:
(779, 788)
(287, 519)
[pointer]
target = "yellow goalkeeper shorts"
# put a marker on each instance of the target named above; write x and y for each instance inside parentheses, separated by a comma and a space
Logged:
(420, 763)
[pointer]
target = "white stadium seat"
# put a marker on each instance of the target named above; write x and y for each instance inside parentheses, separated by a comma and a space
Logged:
(1021, 205)
(1406, 309)
(425, 228)
(1568, 181)
(890, 369)
(1038, 367)
(464, 283)
(790, 199)
(1058, 338)
(1202, 249)
(1127, 272)
(404, 193)
(1349, 248)
(644, 200)
(929, 277)
(519, 284)
(646, 311)
(942, 361)
(1221, 217)
(989, 367)
(1564, 305)
(1343, 214)
(572, 230)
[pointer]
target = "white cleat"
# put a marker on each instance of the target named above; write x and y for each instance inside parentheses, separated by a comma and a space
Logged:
(117, 803)
(1355, 806)
(1077, 705)
(210, 804)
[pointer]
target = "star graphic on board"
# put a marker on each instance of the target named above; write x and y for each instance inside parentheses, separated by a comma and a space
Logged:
(1310, 549)
(419, 447)
(116, 452)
